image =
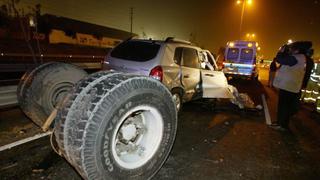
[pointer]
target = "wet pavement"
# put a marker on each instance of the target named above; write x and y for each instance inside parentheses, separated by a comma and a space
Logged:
(212, 143)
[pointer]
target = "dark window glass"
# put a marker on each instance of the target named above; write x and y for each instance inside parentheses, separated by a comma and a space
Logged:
(246, 55)
(178, 55)
(190, 58)
(233, 54)
(210, 61)
(136, 51)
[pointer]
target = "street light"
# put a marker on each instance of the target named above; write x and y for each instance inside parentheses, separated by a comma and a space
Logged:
(250, 36)
(244, 3)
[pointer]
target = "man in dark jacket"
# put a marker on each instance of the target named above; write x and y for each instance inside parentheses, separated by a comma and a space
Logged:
(293, 75)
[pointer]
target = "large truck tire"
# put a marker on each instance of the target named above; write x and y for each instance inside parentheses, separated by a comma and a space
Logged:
(116, 126)
(26, 79)
(42, 88)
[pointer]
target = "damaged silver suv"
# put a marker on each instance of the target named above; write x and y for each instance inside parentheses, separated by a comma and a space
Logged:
(176, 63)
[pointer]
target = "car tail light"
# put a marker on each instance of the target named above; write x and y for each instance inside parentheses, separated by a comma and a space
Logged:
(157, 73)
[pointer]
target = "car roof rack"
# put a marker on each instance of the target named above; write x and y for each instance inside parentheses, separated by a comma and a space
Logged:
(172, 39)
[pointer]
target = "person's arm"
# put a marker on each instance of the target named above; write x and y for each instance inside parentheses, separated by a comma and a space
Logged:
(285, 59)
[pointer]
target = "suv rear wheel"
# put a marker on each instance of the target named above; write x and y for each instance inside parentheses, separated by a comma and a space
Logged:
(177, 99)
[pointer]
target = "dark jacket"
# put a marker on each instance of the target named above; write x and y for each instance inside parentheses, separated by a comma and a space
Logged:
(273, 66)
(286, 59)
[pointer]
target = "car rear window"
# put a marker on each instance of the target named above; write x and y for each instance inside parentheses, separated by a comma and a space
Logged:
(246, 55)
(136, 51)
(233, 54)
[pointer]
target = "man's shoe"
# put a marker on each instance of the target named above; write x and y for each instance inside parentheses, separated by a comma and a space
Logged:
(279, 128)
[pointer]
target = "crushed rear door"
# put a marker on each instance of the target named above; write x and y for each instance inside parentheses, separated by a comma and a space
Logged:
(215, 84)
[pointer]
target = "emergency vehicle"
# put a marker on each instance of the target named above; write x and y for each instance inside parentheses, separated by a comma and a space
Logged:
(240, 59)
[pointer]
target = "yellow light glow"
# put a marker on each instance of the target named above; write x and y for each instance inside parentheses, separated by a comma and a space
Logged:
(253, 35)
(249, 2)
(248, 35)
(238, 1)
(259, 48)
(257, 44)
(231, 44)
(290, 41)
(250, 45)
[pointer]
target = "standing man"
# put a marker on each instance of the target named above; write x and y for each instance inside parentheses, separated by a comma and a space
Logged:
(290, 78)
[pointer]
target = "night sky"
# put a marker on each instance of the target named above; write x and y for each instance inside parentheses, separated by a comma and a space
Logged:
(209, 24)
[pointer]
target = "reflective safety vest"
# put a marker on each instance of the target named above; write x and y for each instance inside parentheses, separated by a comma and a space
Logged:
(312, 92)
(318, 104)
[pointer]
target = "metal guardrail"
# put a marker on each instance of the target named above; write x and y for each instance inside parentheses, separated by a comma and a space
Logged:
(8, 96)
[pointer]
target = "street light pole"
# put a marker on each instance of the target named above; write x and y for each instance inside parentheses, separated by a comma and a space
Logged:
(244, 4)
(131, 20)
(241, 20)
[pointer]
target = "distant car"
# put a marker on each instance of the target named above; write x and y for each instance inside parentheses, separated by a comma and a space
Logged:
(176, 63)
(265, 63)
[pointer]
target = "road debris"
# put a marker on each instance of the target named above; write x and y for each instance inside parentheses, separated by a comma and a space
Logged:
(242, 100)
(214, 141)
(22, 131)
(37, 170)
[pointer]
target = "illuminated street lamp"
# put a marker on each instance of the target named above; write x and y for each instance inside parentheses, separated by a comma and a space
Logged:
(244, 3)
(250, 36)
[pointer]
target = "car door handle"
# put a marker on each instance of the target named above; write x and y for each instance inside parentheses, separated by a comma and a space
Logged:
(211, 75)
(186, 76)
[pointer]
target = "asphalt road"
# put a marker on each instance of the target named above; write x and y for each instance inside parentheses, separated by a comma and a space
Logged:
(220, 142)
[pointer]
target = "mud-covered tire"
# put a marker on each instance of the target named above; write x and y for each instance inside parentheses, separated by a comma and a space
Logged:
(26, 80)
(110, 117)
(40, 89)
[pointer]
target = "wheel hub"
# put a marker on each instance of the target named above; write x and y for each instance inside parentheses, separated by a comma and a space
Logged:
(138, 136)
(59, 92)
(129, 132)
